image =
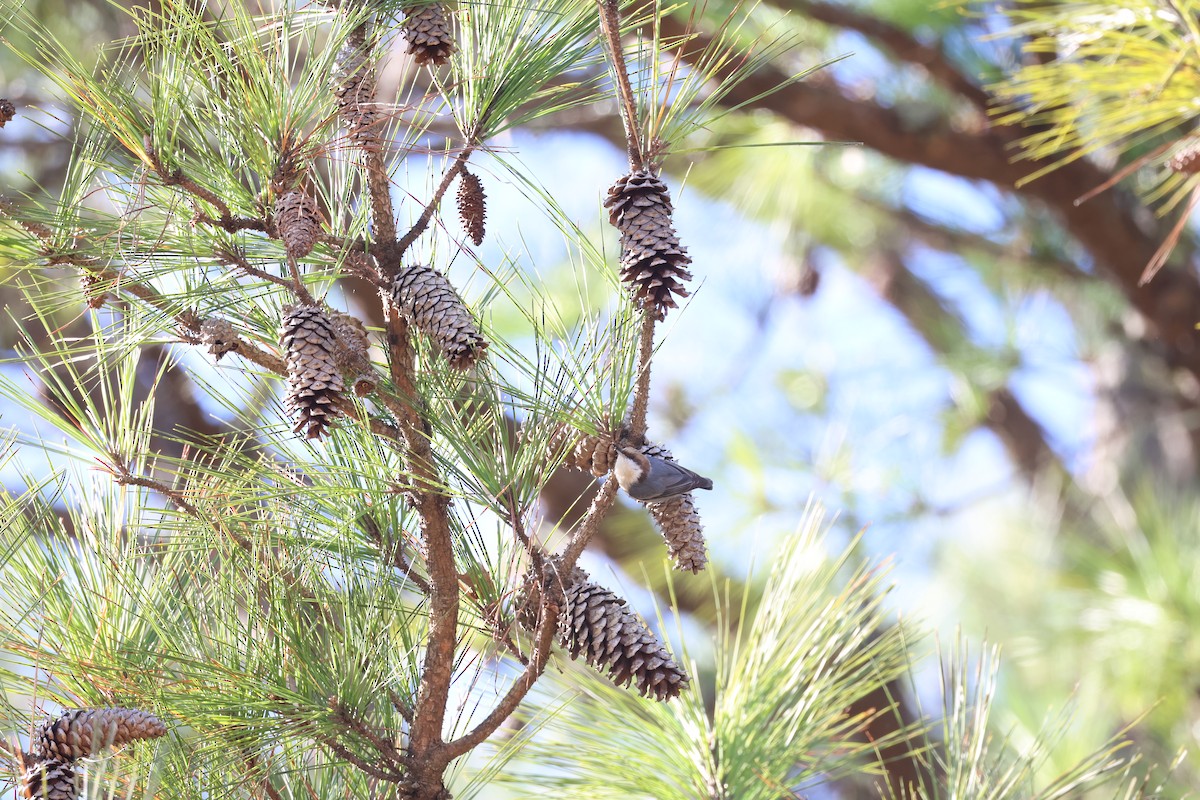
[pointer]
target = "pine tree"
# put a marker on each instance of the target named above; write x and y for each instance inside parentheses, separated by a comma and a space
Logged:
(318, 594)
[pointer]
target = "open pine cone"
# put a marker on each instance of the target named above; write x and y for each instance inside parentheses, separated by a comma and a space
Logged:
(429, 301)
(430, 39)
(314, 376)
(653, 262)
(82, 732)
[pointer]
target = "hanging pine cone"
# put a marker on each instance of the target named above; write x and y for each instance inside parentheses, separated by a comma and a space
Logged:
(298, 221)
(679, 522)
(472, 206)
(587, 452)
(7, 111)
(83, 732)
(427, 30)
(219, 335)
(1186, 160)
(653, 261)
(314, 379)
(598, 625)
(52, 779)
(352, 349)
(428, 300)
(354, 86)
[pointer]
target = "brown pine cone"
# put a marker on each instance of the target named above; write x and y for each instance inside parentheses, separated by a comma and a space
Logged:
(597, 624)
(52, 779)
(429, 301)
(219, 335)
(591, 453)
(653, 262)
(352, 349)
(298, 221)
(314, 378)
(679, 523)
(83, 732)
(430, 39)
(354, 87)
(472, 206)
(7, 111)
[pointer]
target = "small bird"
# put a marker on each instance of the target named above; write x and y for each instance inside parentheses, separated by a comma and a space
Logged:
(652, 479)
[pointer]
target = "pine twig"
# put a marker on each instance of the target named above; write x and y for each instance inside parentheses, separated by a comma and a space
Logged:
(346, 717)
(543, 638)
(610, 27)
(600, 506)
(641, 393)
(234, 258)
(427, 214)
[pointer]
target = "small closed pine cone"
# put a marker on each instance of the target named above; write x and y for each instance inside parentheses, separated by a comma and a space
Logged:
(1186, 160)
(51, 779)
(594, 453)
(83, 732)
(429, 301)
(597, 624)
(314, 378)
(427, 30)
(472, 206)
(679, 522)
(653, 262)
(219, 335)
(298, 221)
(7, 111)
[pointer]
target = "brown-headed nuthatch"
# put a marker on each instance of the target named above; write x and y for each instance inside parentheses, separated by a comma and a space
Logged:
(652, 479)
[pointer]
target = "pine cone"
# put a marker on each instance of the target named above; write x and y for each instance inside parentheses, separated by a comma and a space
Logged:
(537, 586)
(678, 522)
(428, 300)
(298, 221)
(1186, 160)
(653, 261)
(7, 111)
(219, 335)
(427, 30)
(597, 624)
(95, 290)
(83, 732)
(314, 379)
(352, 349)
(52, 779)
(591, 453)
(472, 206)
(355, 86)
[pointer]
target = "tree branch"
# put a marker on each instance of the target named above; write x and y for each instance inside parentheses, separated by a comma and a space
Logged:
(1106, 226)
(543, 643)
(897, 42)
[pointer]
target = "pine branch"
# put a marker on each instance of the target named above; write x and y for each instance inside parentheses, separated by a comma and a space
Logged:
(431, 207)
(610, 28)
(641, 394)
(543, 645)
(1106, 226)
(896, 41)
